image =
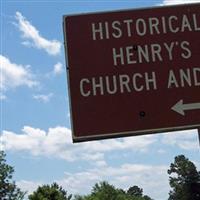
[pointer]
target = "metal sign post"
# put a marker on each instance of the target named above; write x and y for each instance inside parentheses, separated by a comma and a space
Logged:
(199, 134)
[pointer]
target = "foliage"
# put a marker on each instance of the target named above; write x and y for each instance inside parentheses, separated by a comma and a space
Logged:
(105, 191)
(184, 180)
(8, 188)
(50, 192)
(135, 191)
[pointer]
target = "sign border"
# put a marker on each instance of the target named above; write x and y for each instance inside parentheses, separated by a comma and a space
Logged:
(128, 9)
(133, 133)
(125, 133)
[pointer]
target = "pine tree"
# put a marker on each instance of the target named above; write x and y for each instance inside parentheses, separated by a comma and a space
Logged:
(184, 180)
(8, 188)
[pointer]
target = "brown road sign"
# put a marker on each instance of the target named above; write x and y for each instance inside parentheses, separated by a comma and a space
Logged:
(133, 72)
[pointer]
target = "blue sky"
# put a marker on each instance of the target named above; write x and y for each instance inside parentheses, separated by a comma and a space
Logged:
(35, 117)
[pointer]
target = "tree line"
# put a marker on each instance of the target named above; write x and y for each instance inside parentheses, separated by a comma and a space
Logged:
(184, 180)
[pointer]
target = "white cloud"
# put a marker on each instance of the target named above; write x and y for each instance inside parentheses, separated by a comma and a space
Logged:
(170, 2)
(28, 186)
(2, 96)
(34, 39)
(186, 140)
(37, 141)
(57, 142)
(15, 75)
(139, 143)
(152, 178)
(58, 68)
(43, 97)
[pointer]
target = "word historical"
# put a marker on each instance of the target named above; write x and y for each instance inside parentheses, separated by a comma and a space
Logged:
(146, 53)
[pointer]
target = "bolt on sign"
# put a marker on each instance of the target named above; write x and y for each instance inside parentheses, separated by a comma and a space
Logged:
(133, 72)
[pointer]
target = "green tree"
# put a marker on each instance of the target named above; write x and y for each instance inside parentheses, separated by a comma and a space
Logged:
(105, 191)
(79, 197)
(8, 188)
(184, 180)
(145, 197)
(135, 191)
(50, 192)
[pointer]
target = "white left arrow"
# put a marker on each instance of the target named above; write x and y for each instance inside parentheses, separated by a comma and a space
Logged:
(180, 108)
